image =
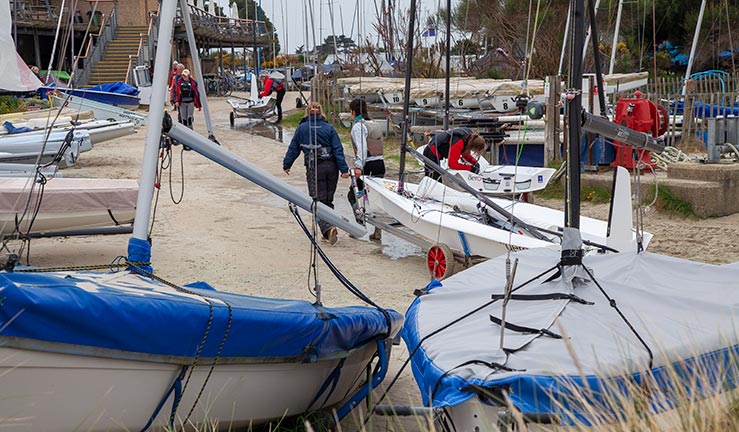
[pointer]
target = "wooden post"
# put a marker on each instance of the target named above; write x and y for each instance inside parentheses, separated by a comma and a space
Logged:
(551, 130)
(37, 48)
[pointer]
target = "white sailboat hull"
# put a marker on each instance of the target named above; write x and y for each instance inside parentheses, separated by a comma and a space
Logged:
(64, 392)
(442, 213)
(100, 111)
(435, 221)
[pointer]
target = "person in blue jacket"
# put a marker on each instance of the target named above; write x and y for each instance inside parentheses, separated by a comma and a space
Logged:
(323, 158)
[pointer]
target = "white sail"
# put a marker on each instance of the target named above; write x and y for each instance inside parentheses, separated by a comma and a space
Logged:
(15, 75)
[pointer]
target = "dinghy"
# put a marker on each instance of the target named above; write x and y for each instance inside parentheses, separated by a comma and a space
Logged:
(455, 222)
(100, 111)
(255, 107)
(120, 94)
(125, 350)
(500, 179)
(572, 338)
(62, 145)
(99, 130)
(66, 204)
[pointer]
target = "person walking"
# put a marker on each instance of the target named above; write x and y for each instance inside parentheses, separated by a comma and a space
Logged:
(274, 85)
(323, 156)
(174, 75)
(187, 98)
(367, 141)
(459, 146)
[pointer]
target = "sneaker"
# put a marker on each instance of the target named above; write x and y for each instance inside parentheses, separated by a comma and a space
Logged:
(376, 236)
(332, 235)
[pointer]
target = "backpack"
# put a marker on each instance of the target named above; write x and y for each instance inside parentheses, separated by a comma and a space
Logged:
(444, 139)
(277, 84)
(375, 138)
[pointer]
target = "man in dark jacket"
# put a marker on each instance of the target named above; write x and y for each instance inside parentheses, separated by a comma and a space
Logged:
(323, 157)
(276, 85)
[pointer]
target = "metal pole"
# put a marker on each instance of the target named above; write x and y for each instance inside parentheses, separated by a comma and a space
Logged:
(407, 93)
(564, 40)
(448, 61)
(615, 36)
(574, 107)
(596, 58)
(196, 64)
(156, 114)
(589, 35)
(696, 34)
(233, 162)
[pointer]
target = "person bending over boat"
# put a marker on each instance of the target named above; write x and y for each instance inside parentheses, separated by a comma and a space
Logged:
(276, 85)
(367, 141)
(186, 98)
(459, 145)
(323, 156)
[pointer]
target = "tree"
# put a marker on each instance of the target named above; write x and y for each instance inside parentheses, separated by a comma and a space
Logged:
(333, 44)
(253, 10)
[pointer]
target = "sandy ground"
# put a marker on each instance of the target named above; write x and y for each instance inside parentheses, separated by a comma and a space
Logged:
(239, 238)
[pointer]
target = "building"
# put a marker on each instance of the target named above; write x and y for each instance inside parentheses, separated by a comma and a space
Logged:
(109, 38)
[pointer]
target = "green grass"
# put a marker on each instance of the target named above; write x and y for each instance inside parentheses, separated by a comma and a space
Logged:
(293, 119)
(668, 202)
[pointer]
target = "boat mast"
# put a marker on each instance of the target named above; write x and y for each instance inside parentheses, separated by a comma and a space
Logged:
(448, 62)
(564, 41)
(156, 114)
(590, 33)
(571, 243)
(407, 93)
(592, 11)
(185, 9)
(615, 36)
(696, 34)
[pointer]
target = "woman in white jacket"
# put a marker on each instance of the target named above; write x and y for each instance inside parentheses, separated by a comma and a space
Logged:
(367, 141)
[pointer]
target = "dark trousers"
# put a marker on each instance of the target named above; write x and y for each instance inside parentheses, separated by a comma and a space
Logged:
(278, 104)
(427, 171)
(375, 168)
(322, 183)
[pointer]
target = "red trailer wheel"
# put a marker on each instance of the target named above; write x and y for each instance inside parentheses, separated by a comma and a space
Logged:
(440, 261)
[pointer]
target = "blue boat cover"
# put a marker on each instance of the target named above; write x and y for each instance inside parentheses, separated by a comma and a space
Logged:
(16, 130)
(116, 87)
(135, 314)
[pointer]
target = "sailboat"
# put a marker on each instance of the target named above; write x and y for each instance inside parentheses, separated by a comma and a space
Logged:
(110, 350)
(563, 336)
(254, 107)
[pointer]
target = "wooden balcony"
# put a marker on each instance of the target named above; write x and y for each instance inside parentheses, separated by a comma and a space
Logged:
(212, 30)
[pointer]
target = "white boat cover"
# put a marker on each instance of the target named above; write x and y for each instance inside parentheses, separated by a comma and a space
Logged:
(15, 76)
(461, 87)
(684, 311)
(66, 195)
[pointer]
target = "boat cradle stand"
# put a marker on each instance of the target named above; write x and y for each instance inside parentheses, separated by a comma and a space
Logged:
(442, 261)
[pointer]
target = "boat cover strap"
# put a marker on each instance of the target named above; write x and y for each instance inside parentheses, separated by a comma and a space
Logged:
(550, 296)
(176, 387)
(332, 380)
(523, 329)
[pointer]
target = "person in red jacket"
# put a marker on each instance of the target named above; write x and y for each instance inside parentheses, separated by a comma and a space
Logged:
(456, 145)
(186, 98)
(174, 75)
(276, 85)
(463, 153)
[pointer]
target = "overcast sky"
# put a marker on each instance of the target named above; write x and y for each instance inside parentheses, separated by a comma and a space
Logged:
(288, 18)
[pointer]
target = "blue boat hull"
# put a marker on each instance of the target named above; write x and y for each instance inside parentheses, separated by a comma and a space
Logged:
(109, 98)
